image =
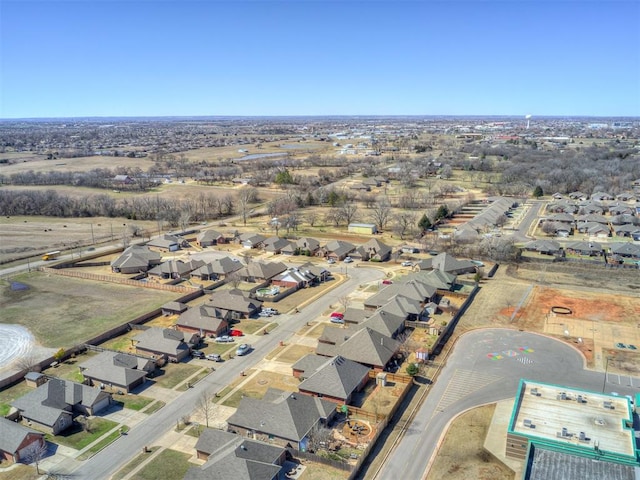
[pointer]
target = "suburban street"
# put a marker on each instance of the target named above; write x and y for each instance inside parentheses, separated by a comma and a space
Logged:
(484, 367)
(111, 459)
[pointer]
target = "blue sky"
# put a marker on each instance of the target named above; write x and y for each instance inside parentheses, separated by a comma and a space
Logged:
(162, 57)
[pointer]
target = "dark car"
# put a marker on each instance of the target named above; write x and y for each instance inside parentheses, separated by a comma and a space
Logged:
(197, 354)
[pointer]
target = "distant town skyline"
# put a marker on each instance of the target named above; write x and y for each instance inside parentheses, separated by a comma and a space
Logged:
(143, 58)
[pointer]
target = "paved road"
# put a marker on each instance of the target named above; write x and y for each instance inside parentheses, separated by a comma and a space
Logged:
(116, 455)
(472, 378)
(520, 235)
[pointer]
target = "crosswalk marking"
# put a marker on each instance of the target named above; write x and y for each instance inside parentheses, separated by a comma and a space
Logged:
(462, 384)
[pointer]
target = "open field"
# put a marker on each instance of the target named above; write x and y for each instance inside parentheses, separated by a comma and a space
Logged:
(71, 310)
(19, 472)
(462, 454)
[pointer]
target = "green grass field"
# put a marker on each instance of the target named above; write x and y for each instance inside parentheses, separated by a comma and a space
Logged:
(62, 311)
(168, 465)
(76, 437)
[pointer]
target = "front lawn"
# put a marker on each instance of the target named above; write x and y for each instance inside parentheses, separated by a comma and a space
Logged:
(173, 374)
(168, 465)
(76, 437)
(132, 402)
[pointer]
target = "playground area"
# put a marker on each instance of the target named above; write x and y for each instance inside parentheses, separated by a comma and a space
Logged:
(593, 322)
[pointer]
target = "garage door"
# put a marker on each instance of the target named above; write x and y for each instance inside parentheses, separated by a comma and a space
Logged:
(102, 404)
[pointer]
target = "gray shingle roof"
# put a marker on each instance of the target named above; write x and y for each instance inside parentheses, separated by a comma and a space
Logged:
(234, 300)
(338, 377)
(283, 414)
(162, 340)
(114, 368)
(12, 434)
(201, 317)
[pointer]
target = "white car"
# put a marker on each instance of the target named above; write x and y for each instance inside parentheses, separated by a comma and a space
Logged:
(348, 260)
(407, 264)
(331, 261)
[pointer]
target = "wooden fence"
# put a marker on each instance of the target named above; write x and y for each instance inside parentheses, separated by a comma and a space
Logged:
(122, 281)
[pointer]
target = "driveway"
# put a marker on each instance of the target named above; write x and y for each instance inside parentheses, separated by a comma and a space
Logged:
(486, 366)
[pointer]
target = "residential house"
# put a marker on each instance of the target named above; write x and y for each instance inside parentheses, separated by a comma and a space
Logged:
(355, 316)
(335, 379)
(208, 238)
(168, 343)
(18, 442)
(544, 247)
(174, 269)
(601, 196)
(53, 405)
(167, 243)
(627, 230)
(303, 246)
(251, 240)
(584, 248)
(217, 269)
(626, 197)
(373, 250)
(388, 321)
(622, 218)
(629, 250)
(592, 218)
(294, 278)
(275, 245)
(119, 371)
(237, 303)
(204, 320)
(436, 278)
(578, 195)
(261, 272)
(447, 263)
(365, 346)
(136, 259)
(282, 418)
(337, 249)
(231, 456)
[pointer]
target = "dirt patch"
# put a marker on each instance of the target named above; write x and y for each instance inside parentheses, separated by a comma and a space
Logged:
(462, 454)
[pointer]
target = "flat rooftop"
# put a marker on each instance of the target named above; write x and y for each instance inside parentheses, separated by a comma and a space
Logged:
(544, 464)
(574, 418)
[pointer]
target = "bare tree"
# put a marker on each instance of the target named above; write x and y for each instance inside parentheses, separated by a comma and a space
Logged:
(319, 436)
(204, 406)
(35, 453)
(349, 211)
(405, 223)
(344, 301)
(312, 218)
(234, 279)
(380, 212)
(28, 362)
(246, 196)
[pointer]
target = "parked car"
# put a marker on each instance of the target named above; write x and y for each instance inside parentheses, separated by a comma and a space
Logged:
(264, 314)
(407, 264)
(631, 347)
(339, 320)
(331, 261)
(620, 345)
(387, 282)
(348, 260)
(236, 333)
(272, 311)
(214, 357)
(197, 354)
(225, 339)
(337, 315)
(243, 349)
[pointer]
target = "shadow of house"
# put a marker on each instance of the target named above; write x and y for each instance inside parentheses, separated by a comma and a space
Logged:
(53, 405)
(136, 259)
(117, 370)
(230, 456)
(284, 418)
(17, 442)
